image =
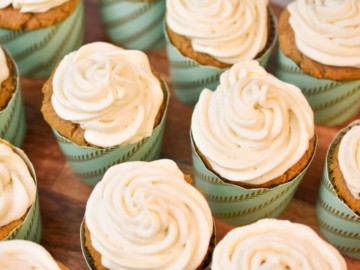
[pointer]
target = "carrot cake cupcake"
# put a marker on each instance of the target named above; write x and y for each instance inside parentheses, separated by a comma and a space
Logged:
(320, 53)
(21, 254)
(40, 33)
(275, 244)
(159, 220)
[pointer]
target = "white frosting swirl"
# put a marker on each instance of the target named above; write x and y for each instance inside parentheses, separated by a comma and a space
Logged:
(25, 255)
(110, 92)
(33, 6)
(228, 30)
(254, 127)
(327, 31)
(271, 244)
(17, 187)
(144, 215)
(349, 160)
(4, 69)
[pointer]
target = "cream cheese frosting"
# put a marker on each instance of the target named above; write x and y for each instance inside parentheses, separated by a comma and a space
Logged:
(327, 31)
(228, 30)
(349, 160)
(271, 244)
(17, 187)
(144, 215)
(110, 92)
(254, 127)
(25, 255)
(4, 69)
(32, 6)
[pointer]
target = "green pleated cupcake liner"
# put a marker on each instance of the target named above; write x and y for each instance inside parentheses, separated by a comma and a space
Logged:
(90, 163)
(338, 223)
(237, 205)
(134, 24)
(38, 51)
(189, 78)
(12, 118)
(333, 102)
(31, 227)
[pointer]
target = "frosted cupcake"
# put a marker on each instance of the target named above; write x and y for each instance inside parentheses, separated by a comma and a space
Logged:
(21, 254)
(106, 106)
(338, 206)
(252, 140)
(320, 53)
(19, 209)
(134, 24)
(12, 117)
(275, 244)
(38, 33)
(205, 38)
(159, 221)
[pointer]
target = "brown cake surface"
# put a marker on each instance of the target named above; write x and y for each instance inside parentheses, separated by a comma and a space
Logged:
(7, 229)
(313, 68)
(8, 86)
(13, 19)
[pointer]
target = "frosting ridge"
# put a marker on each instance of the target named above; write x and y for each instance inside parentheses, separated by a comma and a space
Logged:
(4, 70)
(33, 6)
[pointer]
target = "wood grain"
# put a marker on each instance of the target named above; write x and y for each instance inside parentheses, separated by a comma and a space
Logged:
(63, 196)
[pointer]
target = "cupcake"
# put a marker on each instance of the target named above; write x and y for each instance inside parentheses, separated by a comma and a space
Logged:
(206, 37)
(21, 254)
(106, 106)
(145, 215)
(19, 208)
(12, 117)
(38, 33)
(252, 140)
(338, 205)
(134, 24)
(275, 244)
(320, 53)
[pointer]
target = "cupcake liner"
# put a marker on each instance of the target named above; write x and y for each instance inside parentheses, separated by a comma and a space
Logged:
(90, 163)
(12, 118)
(237, 205)
(134, 24)
(338, 223)
(31, 228)
(189, 78)
(37, 51)
(333, 102)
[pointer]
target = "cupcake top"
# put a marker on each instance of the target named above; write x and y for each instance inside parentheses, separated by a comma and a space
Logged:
(17, 187)
(327, 31)
(33, 6)
(4, 69)
(254, 127)
(25, 255)
(144, 215)
(229, 31)
(349, 160)
(275, 244)
(110, 92)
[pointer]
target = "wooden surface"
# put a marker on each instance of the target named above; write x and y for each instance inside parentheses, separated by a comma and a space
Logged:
(63, 196)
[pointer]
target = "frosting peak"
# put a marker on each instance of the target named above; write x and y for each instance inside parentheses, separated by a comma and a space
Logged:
(228, 30)
(327, 31)
(254, 127)
(4, 69)
(110, 92)
(33, 6)
(144, 215)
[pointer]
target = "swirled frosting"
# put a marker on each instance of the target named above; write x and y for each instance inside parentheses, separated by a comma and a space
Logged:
(271, 244)
(254, 127)
(32, 6)
(144, 215)
(25, 255)
(327, 31)
(17, 187)
(230, 31)
(4, 69)
(110, 92)
(349, 160)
